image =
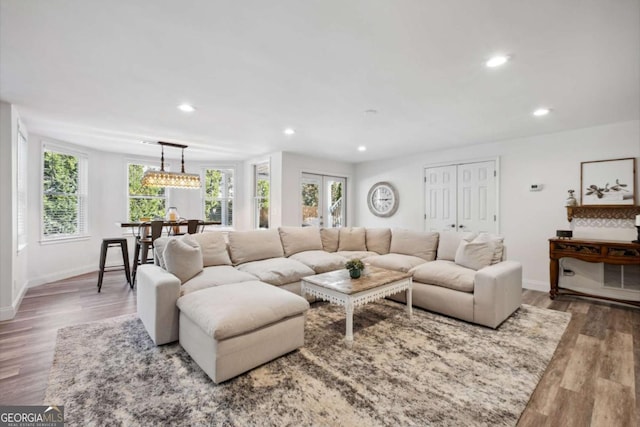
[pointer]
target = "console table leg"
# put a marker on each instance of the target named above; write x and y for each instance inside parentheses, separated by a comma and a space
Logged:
(553, 276)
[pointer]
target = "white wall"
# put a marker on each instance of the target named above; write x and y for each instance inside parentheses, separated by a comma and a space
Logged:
(527, 219)
(293, 166)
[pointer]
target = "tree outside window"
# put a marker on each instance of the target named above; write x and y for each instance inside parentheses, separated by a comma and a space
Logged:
(262, 188)
(63, 197)
(144, 202)
(218, 196)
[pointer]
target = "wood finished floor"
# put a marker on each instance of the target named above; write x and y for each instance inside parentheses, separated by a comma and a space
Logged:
(592, 380)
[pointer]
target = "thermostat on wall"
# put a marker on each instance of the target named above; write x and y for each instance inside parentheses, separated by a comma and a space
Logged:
(535, 187)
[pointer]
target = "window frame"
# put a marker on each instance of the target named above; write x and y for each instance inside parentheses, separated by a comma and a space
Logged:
(256, 199)
(204, 198)
(143, 162)
(83, 194)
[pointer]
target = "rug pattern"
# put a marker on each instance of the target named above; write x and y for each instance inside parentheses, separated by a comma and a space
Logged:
(429, 370)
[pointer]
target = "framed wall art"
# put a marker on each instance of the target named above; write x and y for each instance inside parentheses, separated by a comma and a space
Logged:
(608, 182)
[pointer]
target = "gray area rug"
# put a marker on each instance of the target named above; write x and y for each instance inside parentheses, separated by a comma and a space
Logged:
(429, 370)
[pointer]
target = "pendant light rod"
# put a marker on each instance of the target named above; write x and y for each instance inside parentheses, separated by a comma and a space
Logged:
(162, 160)
(183, 160)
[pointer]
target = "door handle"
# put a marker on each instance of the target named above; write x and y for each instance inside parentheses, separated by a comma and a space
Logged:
(452, 226)
(461, 226)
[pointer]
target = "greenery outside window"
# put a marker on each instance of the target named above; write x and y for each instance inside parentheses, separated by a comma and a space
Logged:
(262, 181)
(64, 195)
(218, 196)
(144, 202)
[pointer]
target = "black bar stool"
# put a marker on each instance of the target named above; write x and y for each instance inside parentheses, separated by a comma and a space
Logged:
(195, 226)
(148, 232)
(111, 243)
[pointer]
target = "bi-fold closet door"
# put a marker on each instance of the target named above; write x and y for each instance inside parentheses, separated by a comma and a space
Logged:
(461, 197)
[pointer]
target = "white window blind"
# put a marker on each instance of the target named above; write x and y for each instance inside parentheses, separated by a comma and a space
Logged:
(21, 190)
(64, 193)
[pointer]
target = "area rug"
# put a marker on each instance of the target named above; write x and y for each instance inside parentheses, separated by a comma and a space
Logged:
(429, 370)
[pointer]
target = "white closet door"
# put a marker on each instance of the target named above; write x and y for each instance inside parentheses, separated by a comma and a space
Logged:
(477, 197)
(461, 197)
(440, 198)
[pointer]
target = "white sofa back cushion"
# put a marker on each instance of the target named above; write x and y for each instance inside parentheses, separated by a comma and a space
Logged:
(183, 258)
(352, 239)
(448, 243)
(213, 246)
(422, 244)
(498, 245)
(254, 245)
(378, 240)
(330, 238)
(300, 239)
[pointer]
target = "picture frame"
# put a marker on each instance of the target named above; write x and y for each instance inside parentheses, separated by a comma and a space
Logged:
(608, 182)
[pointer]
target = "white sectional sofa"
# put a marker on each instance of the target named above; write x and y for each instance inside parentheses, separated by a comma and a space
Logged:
(459, 275)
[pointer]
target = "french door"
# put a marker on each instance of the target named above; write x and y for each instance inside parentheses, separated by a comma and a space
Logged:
(461, 197)
(323, 200)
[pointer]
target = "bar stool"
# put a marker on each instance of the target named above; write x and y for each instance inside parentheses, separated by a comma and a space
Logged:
(111, 243)
(148, 232)
(195, 226)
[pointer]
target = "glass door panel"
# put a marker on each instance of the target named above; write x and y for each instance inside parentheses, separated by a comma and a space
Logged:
(310, 197)
(323, 200)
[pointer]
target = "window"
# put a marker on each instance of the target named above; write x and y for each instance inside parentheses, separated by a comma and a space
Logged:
(218, 196)
(144, 202)
(21, 189)
(261, 195)
(64, 197)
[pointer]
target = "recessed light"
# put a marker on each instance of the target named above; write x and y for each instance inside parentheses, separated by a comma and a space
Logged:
(187, 108)
(371, 111)
(541, 112)
(362, 148)
(289, 131)
(497, 61)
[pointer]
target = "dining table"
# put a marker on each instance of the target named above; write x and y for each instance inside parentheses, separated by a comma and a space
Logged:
(172, 227)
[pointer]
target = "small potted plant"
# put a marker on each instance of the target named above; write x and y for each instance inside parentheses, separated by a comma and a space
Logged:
(355, 267)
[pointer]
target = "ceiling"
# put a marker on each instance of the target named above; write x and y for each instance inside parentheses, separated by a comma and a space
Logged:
(109, 74)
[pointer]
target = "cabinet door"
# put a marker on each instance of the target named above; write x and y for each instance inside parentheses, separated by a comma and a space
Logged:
(477, 197)
(440, 198)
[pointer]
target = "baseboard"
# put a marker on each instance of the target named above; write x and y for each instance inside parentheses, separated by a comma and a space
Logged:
(60, 275)
(8, 313)
(535, 285)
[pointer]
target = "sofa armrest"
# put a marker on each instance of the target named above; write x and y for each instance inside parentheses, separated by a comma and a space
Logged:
(158, 291)
(497, 292)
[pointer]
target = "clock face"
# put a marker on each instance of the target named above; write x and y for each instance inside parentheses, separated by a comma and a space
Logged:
(382, 199)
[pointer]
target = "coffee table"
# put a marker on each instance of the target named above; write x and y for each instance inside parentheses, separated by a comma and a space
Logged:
(375, 283)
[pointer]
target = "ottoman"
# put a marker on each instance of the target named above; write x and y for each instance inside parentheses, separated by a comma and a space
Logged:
(233, 328)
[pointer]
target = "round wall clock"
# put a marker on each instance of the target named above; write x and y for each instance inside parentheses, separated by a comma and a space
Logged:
(382, 199)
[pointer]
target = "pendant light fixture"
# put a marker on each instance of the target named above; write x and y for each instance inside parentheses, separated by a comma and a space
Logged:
(153, 178)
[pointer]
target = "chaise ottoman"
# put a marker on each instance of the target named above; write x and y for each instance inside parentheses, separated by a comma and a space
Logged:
(233, 328)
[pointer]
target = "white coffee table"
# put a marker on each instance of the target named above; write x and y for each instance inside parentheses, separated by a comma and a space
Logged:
(375, 283)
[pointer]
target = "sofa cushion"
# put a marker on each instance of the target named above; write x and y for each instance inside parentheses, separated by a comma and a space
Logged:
(158, 250)
(378, 240)
(254, 245)
(475, 255)
(320, 261)
(352, 239)
(448, 243)
(182, 258)
(349, 255)
(300, 239)
(213, 247)
(422, 244)
(230, 310)
(446, 274)
(397, 262)
(215, 276)
(277, 271)
(498, 242)
(330, 238)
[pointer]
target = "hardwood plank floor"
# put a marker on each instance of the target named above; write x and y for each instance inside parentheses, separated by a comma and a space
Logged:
(592, 380)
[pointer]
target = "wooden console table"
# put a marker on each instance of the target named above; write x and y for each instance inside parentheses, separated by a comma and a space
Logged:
(590, 250)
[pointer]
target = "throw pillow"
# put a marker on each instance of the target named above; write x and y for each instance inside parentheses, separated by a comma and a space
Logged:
(449, 242)
(422, 244)
(498, 242)
(474, 255)
(183, 258)
(378, 240)
(300, 239)
(352, 239)
(330, 237)
(254, 245)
